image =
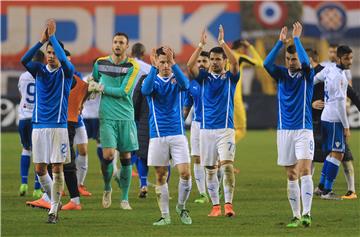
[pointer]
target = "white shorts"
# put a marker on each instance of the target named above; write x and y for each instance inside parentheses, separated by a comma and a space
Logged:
(80, 136)
(195, 138)
(216, 144)
(160, 149)
(50, 145)
(293, 145)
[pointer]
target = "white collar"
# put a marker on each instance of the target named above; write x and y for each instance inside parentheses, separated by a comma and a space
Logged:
(51, 70)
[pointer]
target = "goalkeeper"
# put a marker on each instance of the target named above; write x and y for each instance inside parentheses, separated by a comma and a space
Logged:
(115, 76)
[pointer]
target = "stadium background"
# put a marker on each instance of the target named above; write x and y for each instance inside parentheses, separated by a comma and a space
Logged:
(86, 28)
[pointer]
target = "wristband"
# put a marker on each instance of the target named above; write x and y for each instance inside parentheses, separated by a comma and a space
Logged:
(221, 42)
(201, 45)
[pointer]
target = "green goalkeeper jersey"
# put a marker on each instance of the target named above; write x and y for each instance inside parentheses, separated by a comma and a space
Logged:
(118, 80)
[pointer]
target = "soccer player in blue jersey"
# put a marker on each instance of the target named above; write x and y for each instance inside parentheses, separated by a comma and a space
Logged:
(295, 141)
(334, 121)
(164, 88)
(26, 87)
(50, 135)
(193, 98)
(217, 135)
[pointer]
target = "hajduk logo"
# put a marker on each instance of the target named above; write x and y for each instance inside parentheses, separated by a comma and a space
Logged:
(331, 17)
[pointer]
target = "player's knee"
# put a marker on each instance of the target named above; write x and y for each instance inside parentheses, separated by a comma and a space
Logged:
(185, 174)
(292, 174)
(40, 170)
(57, 167)
(108, 154)
(125, 162)
(161, 177)
(82, 149)
(225, 162)
(196, 159)
(337, 155)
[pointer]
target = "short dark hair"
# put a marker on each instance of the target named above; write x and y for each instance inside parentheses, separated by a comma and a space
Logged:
(122, 34)
(333, 45)
(205, 54)
(237, 44)
(291, 49)
(160, 51)
(138, 50)
(61, 44)
(67, 53)
(39, 56)
(312, 53)
(343, 50)
(218, 50)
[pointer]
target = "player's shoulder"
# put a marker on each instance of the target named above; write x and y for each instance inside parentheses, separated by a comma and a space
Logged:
(134, 63)
(26, 76)
(102, 59)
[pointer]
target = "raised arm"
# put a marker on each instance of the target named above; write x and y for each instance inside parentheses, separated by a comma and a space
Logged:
(59, 51)
(179, 75)
(269, 62)
(193, 69)
(234, 65)
(148, 84)
(303, 58)
(31, 66)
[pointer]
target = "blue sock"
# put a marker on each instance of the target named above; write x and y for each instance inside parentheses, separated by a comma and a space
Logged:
(134, 158)
(24, 168)
(169, 173)
(322, 176)
(100, 153)
(36, 182)
(331, 173)
(143, 170)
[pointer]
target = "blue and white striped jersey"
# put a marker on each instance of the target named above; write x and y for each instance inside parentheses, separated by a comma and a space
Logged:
(294, 90)
(193, 97)
(217, 99)
(52, 88)
(165, 100)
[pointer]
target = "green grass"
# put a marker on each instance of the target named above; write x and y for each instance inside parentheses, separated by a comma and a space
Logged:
(260, 201)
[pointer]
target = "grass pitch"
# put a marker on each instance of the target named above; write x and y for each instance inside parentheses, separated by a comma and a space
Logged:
(260, 201)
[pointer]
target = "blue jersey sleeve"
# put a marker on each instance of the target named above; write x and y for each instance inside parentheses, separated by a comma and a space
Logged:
(269, 62)
(234, 78)
(78, 74)
(188, 100)
(31, 66)
(303, 58)
(60, 54)
(148, 84)
(180, 77)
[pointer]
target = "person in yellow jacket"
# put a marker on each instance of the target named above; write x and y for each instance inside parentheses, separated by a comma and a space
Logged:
(240, 48)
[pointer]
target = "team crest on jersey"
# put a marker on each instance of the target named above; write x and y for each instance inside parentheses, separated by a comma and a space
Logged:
(223, 77)
(337, 144)
(173, 81)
